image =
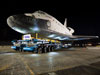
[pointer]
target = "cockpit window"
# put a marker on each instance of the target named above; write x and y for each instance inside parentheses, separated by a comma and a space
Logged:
(41, 12)
(69, 28)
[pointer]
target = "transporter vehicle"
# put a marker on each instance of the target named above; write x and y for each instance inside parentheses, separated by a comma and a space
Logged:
(36, 45)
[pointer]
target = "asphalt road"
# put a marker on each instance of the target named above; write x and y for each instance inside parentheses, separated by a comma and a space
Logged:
(73, 61)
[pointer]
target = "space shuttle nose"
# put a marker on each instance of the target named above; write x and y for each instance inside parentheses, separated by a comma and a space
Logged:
(10, 20)
(19, 20)
(27, 24)
(20, 23)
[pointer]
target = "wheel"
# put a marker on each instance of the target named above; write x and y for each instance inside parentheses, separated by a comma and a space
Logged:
(17, 49)
(39, 50)
(34, 50)
(45, 50)
(21, 49)
(51, 48)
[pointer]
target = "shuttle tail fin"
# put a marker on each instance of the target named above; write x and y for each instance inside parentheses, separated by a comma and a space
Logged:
(65, 23)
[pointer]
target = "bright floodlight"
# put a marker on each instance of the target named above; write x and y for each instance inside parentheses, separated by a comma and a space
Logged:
(65, 38)
(53, 53)
(36, 29)
(58, 38)
(52, 35)
(34, 55)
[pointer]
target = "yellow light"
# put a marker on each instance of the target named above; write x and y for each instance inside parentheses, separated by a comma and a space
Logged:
(39, 38)
(52, 40)
(36, 35)
(47, 39)
(32, 37)
(57, 41)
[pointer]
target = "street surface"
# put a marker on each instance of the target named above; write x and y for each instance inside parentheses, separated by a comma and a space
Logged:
(72, 61)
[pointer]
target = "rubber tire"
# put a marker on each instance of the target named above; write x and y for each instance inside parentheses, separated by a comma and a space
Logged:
(52, 49)
(20, 49)
(17, 49)
(45, 50)
(34, 51)
(39, 50)
(49, 49)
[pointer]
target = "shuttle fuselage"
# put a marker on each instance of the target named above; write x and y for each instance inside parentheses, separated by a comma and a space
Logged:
(42, 23)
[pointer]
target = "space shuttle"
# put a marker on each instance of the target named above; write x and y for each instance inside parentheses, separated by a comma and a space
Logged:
(45, 25)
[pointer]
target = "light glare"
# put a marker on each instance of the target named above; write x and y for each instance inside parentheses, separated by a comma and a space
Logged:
(36, 29)
(51, 35)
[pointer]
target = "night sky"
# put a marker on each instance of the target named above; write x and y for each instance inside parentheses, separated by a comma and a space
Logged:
(85, 21)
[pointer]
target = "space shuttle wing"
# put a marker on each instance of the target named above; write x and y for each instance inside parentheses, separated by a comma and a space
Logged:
(79, 37)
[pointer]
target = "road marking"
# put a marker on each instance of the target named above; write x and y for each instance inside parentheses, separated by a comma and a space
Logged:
(26, 65)
(52, 73)
(5, 67)
(32, 73)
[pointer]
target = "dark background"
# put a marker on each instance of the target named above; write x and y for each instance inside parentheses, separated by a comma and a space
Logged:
(83, 18)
